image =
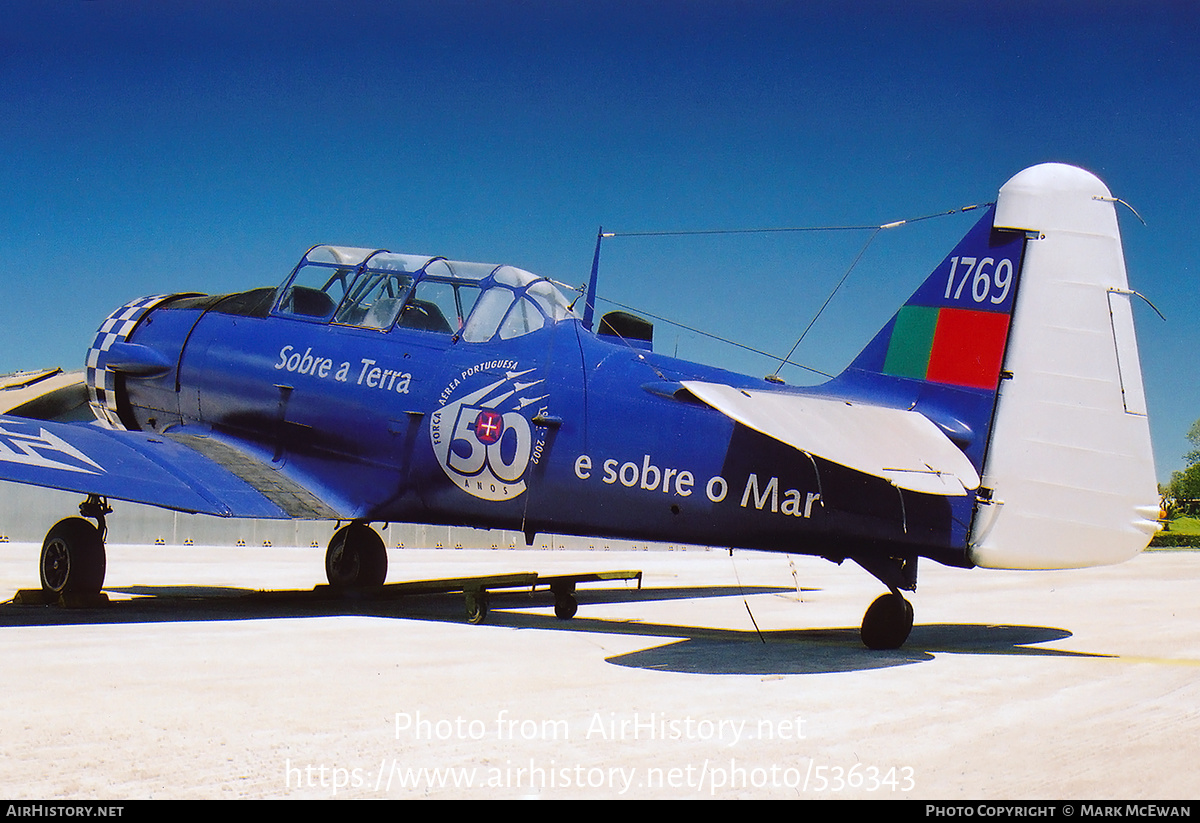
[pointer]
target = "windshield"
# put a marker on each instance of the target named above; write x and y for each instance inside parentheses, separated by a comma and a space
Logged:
(380, 290)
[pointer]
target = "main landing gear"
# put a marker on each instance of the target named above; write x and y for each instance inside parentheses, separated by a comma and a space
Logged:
(356, 558)
(73, 561)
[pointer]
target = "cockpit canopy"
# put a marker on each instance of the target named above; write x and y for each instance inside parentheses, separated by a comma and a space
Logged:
(377, 289)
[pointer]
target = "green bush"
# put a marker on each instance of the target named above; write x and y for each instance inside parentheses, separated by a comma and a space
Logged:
(1171, 540)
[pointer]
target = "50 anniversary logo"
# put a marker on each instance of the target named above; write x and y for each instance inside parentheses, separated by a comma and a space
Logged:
(482, 437)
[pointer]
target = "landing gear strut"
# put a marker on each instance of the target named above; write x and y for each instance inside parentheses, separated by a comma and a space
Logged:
(356, 558)
(73, 560)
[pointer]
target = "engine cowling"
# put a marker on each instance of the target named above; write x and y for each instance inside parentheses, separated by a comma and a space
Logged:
(112, 356)
(102, 379)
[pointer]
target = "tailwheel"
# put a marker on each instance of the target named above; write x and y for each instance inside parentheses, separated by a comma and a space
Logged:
(73, 559)
(356, 558)
(887, 623)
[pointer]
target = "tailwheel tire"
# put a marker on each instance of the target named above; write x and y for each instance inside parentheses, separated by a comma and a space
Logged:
(73, 559)
(887, 623)
(356, 558)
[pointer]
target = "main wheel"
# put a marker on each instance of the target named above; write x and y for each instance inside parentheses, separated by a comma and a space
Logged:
(72, 559)
(887, 622)
(356, 558)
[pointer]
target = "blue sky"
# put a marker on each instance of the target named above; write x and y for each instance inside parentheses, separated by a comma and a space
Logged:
(203, 146)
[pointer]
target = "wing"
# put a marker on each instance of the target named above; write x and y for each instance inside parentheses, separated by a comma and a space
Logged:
(189, 474)
(903, 447)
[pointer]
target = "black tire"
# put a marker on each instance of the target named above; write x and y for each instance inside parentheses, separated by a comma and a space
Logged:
(73, 559)
(565, 606)
(356, 558)
(477, 607)
(887, 623)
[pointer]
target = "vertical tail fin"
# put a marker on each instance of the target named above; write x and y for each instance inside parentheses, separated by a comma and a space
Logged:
(1070, 470)
(1021, 347)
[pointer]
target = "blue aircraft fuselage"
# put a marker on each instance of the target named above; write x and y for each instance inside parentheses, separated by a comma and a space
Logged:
(557, 430)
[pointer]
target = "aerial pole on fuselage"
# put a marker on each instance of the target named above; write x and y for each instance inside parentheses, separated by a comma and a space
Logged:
(589, 305)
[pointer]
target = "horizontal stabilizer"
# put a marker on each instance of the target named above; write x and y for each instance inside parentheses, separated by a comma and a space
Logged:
(902, 447)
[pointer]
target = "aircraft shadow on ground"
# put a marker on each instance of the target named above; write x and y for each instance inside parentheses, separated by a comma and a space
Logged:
(826, 651)
(682, 649)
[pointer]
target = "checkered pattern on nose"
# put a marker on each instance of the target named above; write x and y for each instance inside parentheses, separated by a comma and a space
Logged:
(101, 381)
